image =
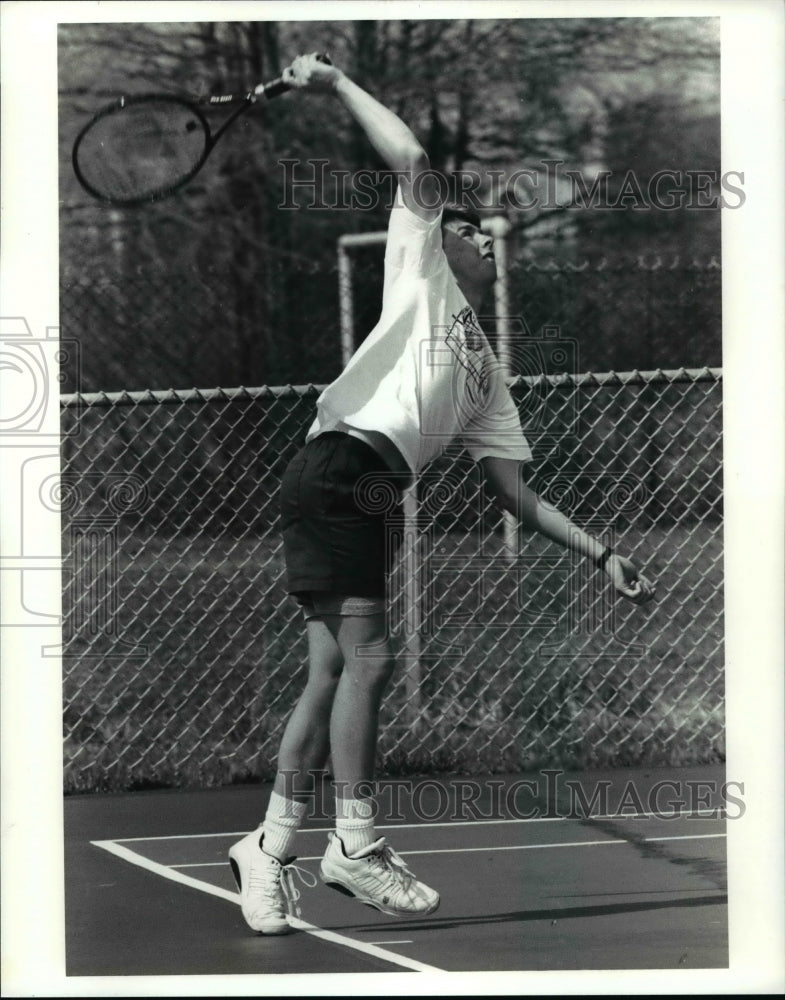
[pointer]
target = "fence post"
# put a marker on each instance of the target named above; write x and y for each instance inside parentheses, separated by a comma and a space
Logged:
(412, 610)
(346, 304)
(346, 285)
(499, 227)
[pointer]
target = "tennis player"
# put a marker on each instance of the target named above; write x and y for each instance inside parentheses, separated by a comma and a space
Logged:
(423, 378)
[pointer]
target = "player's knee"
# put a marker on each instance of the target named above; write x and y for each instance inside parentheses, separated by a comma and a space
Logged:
(323, 686)
(372, 672)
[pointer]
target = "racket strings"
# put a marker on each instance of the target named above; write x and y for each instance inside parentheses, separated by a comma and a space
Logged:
(142, 150)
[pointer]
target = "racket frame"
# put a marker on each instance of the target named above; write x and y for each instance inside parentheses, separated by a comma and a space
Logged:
(244, 102)
(267, 90)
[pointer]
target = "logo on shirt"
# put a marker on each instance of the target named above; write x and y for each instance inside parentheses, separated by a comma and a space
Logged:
(472, 330)
(465, 340)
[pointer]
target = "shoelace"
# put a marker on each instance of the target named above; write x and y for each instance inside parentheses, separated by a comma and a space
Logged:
(290, 888)
(266, 883)
(394, 864)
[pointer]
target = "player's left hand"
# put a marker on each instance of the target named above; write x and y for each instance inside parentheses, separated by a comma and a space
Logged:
(627, 581)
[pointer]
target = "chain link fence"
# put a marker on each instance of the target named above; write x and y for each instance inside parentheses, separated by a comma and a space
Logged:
(200, 319)
(183, 655)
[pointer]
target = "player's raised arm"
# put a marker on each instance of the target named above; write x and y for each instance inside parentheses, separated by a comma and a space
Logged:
(511, 492)
(392, 139)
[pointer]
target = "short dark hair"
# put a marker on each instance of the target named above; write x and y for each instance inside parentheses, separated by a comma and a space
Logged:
(453, 210)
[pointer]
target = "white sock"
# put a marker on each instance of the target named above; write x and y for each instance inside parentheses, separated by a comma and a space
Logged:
(281, 823)
(354, 824)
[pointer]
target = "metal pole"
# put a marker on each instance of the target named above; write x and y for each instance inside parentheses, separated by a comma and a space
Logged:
(499, 228)
(412, 611)
(345, 305)
(346, 286)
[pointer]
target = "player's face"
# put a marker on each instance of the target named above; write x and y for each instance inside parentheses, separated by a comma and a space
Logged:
(469, 252)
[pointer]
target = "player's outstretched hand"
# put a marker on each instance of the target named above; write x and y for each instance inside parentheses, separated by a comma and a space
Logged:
(627, 581)
(311, 72)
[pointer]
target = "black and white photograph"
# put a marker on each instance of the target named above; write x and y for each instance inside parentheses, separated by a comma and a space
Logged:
(394, 533)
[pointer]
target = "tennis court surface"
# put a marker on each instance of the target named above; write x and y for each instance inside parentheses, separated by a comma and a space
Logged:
(530, 879)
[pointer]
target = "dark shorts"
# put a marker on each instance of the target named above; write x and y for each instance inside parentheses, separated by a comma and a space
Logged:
(340, 514)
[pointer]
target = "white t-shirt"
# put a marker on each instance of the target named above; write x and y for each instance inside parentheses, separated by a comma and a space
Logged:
(426, 375)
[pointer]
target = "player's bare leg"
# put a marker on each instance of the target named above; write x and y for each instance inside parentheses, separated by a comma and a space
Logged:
(306, 740)
(356, 862)
(261, 862)
(367, 668)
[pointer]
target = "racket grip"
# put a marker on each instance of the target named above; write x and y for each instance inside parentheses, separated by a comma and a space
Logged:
(277, 87)
(272, 89)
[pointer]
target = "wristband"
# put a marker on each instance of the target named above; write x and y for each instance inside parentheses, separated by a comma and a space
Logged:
(601, 561)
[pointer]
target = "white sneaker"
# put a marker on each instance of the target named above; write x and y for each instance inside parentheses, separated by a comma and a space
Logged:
(378, 877)
(264, 883)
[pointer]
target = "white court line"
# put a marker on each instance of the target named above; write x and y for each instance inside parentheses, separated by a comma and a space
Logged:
(153, 866)
(450, 850)
(514, 847)
(165, 872)
(691, 836)
(676, 814)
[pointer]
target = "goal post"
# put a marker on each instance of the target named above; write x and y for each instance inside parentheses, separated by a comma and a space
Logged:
(412, 555)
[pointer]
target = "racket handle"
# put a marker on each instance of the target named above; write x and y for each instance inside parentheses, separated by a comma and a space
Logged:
(272, 89)
(277, 87)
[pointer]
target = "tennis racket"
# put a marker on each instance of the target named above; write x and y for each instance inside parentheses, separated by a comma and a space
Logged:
(142, 148)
